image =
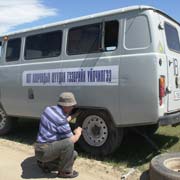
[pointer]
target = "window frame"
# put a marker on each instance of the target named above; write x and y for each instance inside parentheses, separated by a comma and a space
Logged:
(104, 37)
(20, 49)
(124, 33)
(167, 23)
(102, 33)
(42, 33)
(78, 27)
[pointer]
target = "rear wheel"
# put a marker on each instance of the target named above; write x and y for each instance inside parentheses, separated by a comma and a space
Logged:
(6, 123)
(99, 136)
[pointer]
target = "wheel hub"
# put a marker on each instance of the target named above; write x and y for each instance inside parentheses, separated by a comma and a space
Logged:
(173, 164)
(95, 130)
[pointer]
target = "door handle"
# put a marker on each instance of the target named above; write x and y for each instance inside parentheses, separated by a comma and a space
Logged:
(170, 62)
(168, 90)
(30, 93)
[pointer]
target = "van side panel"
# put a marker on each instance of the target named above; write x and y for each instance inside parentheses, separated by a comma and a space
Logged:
(138, 89)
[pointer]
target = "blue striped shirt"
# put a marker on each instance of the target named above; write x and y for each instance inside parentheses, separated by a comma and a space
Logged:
(53, 125)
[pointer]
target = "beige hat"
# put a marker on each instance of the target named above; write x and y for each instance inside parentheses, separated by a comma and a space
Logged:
(67, 99)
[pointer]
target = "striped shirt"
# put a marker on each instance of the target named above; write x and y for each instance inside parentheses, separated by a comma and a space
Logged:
(53, 125)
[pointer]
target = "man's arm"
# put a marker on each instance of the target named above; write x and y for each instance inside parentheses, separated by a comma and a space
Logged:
(77, 134)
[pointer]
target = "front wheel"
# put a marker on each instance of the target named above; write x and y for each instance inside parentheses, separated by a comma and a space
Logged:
(6, 123)
(99, 136)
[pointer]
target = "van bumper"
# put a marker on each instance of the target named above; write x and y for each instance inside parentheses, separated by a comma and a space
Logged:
(170, 119)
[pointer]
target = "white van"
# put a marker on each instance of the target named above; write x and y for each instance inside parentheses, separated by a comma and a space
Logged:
(122, 65)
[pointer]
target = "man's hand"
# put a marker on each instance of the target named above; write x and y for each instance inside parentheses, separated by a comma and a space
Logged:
(78, 131)
(77, 134)
(69, 118)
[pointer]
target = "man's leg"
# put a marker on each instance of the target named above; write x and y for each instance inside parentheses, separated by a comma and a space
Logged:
(75, 155)
(62, 150)
(67, 157)
(54, 165)
(65, 166)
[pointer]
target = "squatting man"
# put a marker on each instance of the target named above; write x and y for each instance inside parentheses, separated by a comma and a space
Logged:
(54, 147)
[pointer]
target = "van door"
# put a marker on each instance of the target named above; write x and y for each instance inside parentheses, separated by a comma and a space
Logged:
(172, 50)
(11, 94)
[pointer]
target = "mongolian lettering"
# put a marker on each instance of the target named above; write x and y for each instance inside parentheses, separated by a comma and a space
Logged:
(58, 77)
(99, 75)
(78, 76)
(41, 78)
(85, 76)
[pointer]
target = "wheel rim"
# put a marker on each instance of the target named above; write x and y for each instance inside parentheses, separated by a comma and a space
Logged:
(173, 164)
(95, 130)
(2, 119)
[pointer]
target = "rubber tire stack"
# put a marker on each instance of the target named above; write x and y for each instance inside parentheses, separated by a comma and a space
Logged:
(159, 167)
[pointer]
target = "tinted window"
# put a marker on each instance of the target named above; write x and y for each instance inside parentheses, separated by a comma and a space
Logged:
(84, 39)
(91, 38)
(172, 37)
(137, 34)
(111, 35)
(43, 45)
(13, 49)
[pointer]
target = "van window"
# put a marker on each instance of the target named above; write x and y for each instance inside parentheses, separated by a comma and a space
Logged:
(137, 33)
(43, 45)
(89, 38)
(13, 49)
(172, 37)
(84, 39)
(111, 35)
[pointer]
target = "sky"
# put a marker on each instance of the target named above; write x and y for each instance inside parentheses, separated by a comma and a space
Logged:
(16, 15)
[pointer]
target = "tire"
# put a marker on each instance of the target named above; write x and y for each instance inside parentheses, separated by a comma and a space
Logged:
(99, 136)
(6, 123)
(149, 129)
(165, 167)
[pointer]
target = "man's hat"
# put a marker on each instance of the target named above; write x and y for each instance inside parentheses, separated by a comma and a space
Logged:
(67, 99)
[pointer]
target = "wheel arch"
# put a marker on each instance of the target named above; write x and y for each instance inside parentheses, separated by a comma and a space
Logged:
(102, 109)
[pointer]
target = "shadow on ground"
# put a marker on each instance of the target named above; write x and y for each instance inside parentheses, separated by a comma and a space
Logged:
(134, 150)
(30, 170)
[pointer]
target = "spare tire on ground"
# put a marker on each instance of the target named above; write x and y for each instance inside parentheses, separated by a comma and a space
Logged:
(165, 167)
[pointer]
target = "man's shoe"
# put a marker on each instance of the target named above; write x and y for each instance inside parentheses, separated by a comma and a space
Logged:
(72, 174)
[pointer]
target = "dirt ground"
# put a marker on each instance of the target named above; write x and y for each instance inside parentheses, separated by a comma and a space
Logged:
(17, 162)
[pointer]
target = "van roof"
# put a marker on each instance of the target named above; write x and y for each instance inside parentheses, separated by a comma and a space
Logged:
(105, 13)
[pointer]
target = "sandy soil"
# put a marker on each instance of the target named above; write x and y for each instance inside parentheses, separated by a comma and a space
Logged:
(17, 162)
